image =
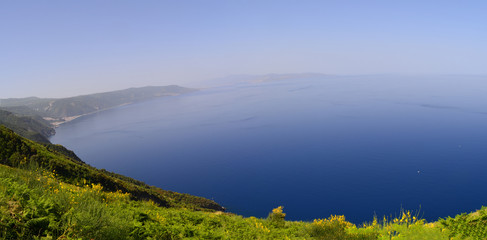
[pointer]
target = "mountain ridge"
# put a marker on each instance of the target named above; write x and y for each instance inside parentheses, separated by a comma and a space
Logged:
(60, 110)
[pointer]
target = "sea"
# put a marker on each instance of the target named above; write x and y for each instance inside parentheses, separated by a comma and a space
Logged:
(359, 146)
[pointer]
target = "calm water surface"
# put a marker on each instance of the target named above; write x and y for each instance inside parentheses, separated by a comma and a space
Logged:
(356, 146)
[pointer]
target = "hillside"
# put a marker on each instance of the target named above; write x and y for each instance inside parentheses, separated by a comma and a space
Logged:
(64, 109)
(16, 151)
(32, 127)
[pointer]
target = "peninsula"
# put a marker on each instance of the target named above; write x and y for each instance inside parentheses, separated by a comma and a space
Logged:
(57, 111)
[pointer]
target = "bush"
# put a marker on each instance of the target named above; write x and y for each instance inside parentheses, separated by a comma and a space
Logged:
(277, 217)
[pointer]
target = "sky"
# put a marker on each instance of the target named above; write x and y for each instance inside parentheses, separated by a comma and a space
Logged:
(66, 48)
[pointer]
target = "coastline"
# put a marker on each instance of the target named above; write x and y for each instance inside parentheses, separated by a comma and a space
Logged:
(56, 122)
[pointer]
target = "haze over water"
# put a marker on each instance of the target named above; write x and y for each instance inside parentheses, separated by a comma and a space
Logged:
(356, 146)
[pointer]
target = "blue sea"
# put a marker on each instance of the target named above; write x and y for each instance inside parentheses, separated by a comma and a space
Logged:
(357, 146)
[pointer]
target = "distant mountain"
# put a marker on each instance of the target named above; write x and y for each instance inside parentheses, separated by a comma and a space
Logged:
(59, 110)
(32, 127)
(276, 77)
(231, 80)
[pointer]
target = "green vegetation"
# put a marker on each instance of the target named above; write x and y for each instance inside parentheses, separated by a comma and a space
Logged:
(59, 109)
(16, 151)
(46, 192)
(35, 129)
(32, 127)
(35, 204)
(473, 225)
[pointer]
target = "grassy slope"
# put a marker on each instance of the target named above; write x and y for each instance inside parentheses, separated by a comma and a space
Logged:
(36, 203)
(16, 151)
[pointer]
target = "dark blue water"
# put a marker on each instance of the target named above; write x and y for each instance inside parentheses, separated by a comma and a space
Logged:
(317, 146)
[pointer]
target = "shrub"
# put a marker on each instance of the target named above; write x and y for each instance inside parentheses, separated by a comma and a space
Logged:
(277, 217)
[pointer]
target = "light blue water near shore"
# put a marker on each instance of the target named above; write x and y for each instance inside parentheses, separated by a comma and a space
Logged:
(317, 146)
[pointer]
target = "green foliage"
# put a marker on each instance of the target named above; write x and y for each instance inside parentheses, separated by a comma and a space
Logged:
(277, 216)
(16, 151)
(406, 226)
(31, 127)
(35, 204)
(56, 148)
(467, 226)
(336, 228)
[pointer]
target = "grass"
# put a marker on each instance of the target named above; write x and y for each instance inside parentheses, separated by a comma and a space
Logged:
(36, 204)
(16, 151)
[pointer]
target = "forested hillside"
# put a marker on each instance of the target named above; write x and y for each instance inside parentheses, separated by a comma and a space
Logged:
(32, 127)
(61, 109)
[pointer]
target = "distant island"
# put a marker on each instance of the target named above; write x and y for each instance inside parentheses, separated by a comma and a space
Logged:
(60, 110)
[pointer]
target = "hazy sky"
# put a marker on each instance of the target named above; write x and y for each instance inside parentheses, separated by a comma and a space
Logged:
(65, 48)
